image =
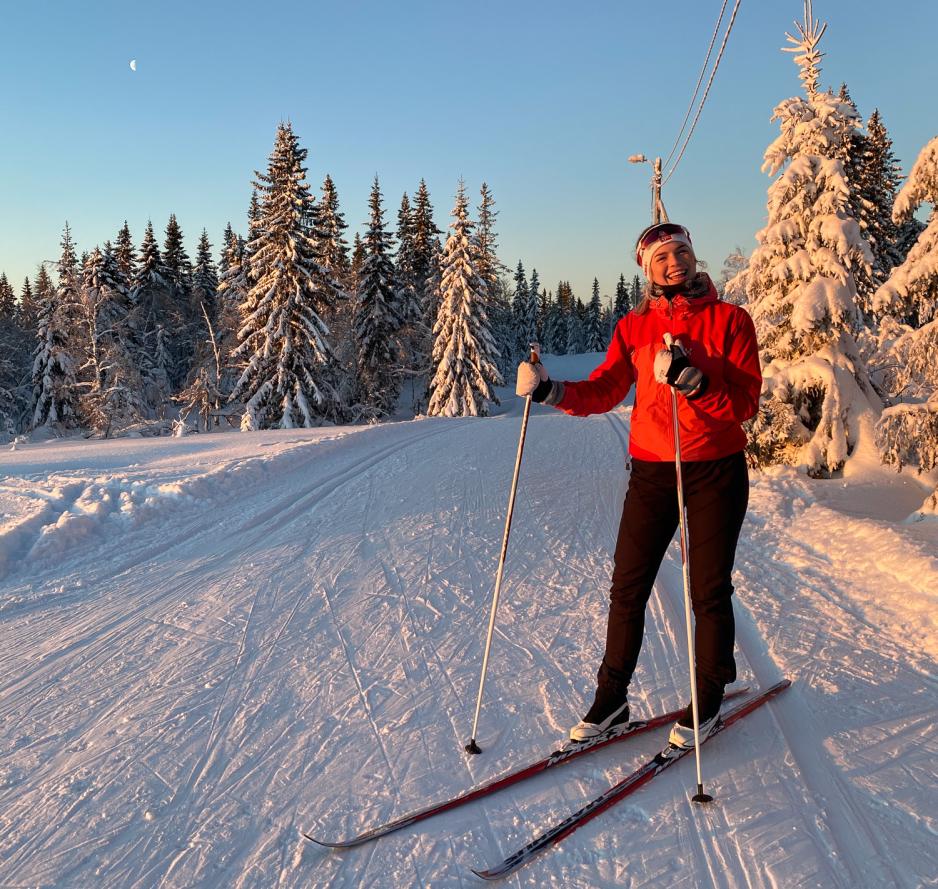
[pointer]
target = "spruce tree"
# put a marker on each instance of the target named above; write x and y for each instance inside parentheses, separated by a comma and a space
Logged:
(289, 375)
(413, 335)
(534, 303)
(554, 327)
(908, 430)
(7, 299)
(112, 383)
(233, 289)
(358, 258)
(594, 332)
(157, 320)
(486, 240)
(426, 254)
(124, 252)
(409, 309)
(27, 312)
(55, 393)
(175, 259)
(376, 319)
(226, 238)
(911, 292)
(621, 307)
(205, 275)
(523, 322)
(335, 254)
(802, 291)
(464, 350)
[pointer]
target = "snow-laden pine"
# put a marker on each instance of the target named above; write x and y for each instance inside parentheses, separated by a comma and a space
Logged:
(109, 375)
(376, 319)
(801, 285)
(463, 348)
(55, 387)
(908, 431)
(595, 337)
(289, 368)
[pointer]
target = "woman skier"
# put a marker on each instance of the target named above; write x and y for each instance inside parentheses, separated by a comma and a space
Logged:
(714, 366)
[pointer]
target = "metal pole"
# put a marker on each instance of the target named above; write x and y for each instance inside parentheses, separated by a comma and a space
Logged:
(658, 212)
(472, 746)
(700, 796)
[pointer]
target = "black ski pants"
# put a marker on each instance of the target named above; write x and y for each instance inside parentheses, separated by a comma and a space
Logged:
(716, 494)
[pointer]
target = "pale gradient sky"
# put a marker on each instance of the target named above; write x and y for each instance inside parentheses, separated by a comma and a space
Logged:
(544, 100)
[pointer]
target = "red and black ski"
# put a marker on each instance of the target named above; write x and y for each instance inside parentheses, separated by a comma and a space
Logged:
(643, 775)
(564, 754)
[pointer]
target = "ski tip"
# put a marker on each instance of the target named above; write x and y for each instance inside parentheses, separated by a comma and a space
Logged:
(324, 843)
(486, 874)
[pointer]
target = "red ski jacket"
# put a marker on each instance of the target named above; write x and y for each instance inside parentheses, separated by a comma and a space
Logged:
(719, 338)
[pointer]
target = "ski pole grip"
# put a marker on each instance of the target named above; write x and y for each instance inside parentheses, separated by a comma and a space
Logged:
(535, 355)
(668, 340)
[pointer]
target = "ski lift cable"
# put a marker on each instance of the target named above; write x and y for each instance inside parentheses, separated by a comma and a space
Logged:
(703, 100)
(703, 70)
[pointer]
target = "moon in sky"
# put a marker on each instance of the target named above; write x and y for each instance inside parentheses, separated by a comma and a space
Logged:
(133, 64)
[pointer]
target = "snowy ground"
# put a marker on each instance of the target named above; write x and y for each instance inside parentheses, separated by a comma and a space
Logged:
(210, 644)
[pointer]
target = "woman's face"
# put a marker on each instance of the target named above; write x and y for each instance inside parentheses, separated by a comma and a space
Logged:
(673, 263)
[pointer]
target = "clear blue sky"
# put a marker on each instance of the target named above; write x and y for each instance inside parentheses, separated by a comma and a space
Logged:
(542, 99)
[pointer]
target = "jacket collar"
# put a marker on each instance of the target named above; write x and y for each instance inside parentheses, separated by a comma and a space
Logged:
(699, 292)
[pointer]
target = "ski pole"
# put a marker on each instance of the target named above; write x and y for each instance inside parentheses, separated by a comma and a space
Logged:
(472, 747)
(700, 796)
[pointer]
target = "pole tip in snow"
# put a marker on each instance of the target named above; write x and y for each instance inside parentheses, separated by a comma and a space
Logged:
(472, 747)
(700, 796)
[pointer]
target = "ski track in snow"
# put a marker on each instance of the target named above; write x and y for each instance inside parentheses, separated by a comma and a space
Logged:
(297, 644)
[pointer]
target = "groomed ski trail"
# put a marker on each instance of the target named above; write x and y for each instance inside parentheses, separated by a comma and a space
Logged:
(299, 649)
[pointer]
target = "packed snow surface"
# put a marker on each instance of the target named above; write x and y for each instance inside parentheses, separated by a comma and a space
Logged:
(209, 645)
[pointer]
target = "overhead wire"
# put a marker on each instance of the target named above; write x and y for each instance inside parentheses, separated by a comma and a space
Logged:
(703, 70)
(703, 99)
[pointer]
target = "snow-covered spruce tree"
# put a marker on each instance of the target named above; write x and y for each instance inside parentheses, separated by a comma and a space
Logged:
(376, 321)
(157, 320)
(203, 390)
(911, 292)
(489, 266)
(413, 335)
(504, 329)
(7, 299)
(426, 259)
(525, 311)
(332, 224)
(55, 392)
(358, 257)
(15, 352)
(289, 374)
(112, 385)
(524, 321)
(553, 328)
(908, 431)
(732, 283)
(204, 287)
(464, 351)
(124, 252)
(233, 288)
(802, 292)
(27, 312)
(534, 298)
(594, 330)
(177, 268)
(620, 305)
